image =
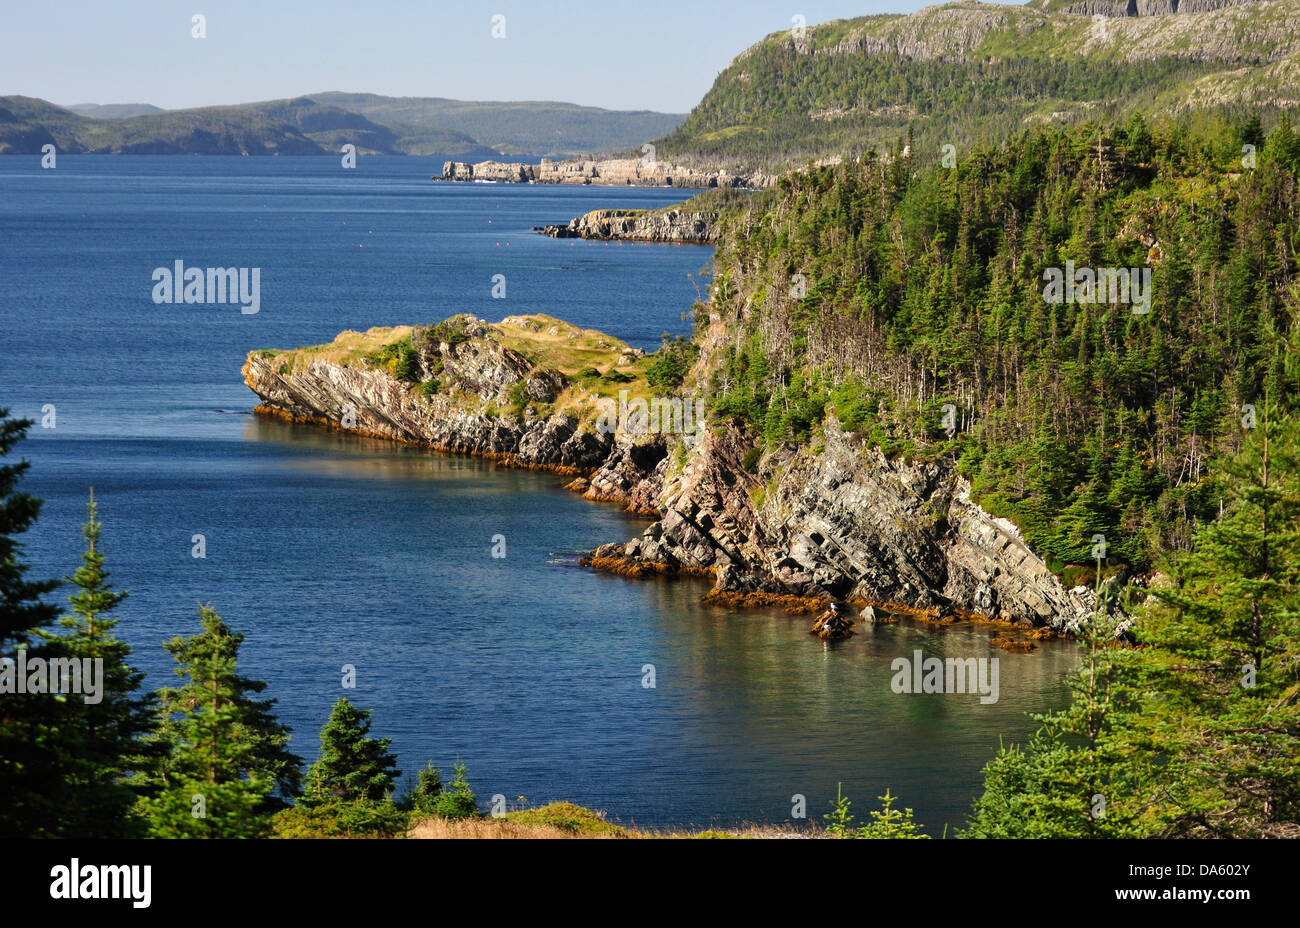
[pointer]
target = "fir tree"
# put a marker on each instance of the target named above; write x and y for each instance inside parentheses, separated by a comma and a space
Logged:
(352, 766)
(98, 739)
(226, 754)
(27, 763)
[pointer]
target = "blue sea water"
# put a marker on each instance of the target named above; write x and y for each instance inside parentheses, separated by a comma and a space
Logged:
(326, 550)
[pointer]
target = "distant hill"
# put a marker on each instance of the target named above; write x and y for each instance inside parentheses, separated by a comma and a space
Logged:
(292, 127)
(113, 110)
(546, 129)
(320, 124)
(959, 72)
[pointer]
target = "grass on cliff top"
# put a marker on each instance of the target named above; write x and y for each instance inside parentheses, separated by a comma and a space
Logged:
(588, 357)
(348, 346)
(551, 342)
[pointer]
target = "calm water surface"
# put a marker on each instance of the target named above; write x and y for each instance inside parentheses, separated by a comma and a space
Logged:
(328, 550)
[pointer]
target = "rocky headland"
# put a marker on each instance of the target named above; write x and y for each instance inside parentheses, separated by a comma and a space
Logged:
(795, 527)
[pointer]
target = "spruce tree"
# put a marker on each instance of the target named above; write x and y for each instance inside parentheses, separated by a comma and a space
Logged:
(98, 739)
(226, 753)
(27, 763)
(1193, 734)
(1225, 652)
(424, 797)
(1072, 779)
(352, 766)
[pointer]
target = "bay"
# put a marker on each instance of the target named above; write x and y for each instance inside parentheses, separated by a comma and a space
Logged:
(326, 549)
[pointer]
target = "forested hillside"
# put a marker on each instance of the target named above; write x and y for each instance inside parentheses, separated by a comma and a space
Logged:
(884, 290)
(968, 72)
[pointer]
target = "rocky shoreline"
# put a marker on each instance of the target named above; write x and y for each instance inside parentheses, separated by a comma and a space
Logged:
(796, 529)
(671, 226)
(611, 172)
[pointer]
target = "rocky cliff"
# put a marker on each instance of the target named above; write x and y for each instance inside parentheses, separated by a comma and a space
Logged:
(843, 523)
(838, 522)
(672, 226)
(451, 393)
(616, 172)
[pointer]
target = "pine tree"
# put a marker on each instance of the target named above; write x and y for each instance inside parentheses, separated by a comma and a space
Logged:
(352, 766)
(227, 756)
(98, 739)
(26, 761)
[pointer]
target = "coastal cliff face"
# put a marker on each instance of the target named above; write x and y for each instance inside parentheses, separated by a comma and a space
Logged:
(615, 172)
(476, 373)
(1114, 8)
(844, 523)
(839, 522)
(670, 226)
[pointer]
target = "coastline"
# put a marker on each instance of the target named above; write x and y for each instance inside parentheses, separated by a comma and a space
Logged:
(797, 529)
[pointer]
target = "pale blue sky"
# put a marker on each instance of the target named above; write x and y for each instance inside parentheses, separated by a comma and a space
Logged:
(652, 54)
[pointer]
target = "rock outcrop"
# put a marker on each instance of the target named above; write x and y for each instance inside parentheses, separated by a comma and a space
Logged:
(476, 375)
(1116, 8)
(614, 172)
(670, 226)
(849, 524)
(798, 526)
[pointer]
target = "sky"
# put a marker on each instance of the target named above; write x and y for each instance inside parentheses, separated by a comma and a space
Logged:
(643, 54)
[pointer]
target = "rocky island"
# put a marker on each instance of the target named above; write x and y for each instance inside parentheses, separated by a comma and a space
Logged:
(668, 226)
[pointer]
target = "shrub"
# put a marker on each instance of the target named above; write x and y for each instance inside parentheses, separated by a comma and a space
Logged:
(516, 399)
(671, 362)
(568, 817)
(341, 819)
(455, 801)
(407, 368)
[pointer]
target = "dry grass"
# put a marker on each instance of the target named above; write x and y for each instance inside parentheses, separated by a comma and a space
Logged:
(505, 828)
(348, 346)
(567, 820)
(485, 828)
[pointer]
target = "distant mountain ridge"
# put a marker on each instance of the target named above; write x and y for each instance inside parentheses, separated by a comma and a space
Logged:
(114, 110)
(965, 71)
(322, 123)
